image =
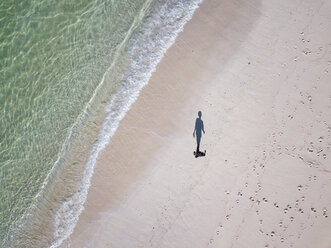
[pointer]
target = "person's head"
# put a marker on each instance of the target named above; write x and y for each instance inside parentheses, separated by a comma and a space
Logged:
(199, 114)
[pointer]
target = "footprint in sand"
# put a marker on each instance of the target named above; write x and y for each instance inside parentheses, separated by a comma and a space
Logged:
(292, 218)
(310, 150)
(325, 213)
(310, 164)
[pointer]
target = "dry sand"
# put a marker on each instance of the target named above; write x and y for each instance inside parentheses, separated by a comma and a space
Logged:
(260, 72)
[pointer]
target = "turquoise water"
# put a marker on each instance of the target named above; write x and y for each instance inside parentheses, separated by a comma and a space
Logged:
(60, 62)
(53, 55)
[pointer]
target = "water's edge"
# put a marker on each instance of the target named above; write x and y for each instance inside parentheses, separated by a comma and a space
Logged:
(146, 49)
(54, 55)
(152, 43)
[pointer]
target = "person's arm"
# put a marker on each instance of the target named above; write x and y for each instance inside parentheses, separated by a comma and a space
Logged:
(203, 129)
(195, 128)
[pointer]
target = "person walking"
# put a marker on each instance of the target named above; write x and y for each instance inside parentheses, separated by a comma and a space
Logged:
(197, 132)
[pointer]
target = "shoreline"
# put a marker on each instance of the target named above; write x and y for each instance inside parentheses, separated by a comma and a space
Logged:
(148, 190)
(138, 71)
(59, 211)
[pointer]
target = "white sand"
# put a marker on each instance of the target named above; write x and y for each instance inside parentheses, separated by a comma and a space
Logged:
(260, 72)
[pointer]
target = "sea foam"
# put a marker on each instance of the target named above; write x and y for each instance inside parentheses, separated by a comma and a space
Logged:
(157, 34)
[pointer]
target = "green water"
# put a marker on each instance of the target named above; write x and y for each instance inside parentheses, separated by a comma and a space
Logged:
(53, 55)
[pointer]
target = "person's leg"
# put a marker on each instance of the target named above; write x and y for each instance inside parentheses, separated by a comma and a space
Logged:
(198, 141)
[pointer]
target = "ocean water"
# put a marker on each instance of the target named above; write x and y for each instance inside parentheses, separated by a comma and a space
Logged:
(69, 72)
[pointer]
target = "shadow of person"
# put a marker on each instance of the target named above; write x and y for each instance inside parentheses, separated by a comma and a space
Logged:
(197, 133)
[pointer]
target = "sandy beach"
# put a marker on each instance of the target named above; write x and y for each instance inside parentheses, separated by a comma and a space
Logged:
(260, 73)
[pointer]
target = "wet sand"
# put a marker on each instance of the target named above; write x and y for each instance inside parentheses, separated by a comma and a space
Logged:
(260, 74)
